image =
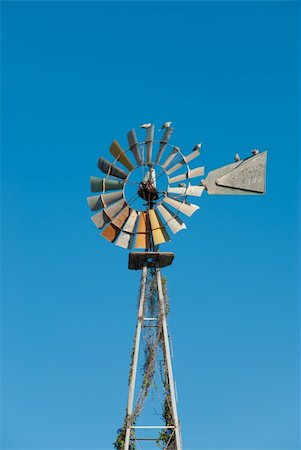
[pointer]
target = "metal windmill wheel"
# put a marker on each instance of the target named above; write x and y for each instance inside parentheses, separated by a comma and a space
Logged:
(142, 201)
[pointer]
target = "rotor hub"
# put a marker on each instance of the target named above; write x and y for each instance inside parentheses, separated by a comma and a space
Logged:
(147, 191)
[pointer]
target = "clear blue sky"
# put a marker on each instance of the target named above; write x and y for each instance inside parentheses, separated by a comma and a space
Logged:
(77, 75)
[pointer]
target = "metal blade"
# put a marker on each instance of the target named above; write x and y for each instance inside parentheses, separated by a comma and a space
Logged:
(186, 160)
(142, 238)
(184, 207)
(114, 209)
(172, 155)
(198, 172)
(164, 142)
(134, 146)
(101, 184)
(246, 177)
(120, 155)
(159, 232)
(97, 202)
(100, 219)
(110, 233)
(122, 217)
(149, 140)
(174, 222)
(106, 167)
(126, 237)
(195, 191)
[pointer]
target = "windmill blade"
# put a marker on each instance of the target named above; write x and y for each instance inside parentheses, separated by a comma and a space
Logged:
(122, 217)
(186, 160)
(97, 202)
(105, 184)
(149, 140)
(163, 143)
(195, 191)
(175, 151)
(159, 232)
(198, 172)
(125, 238)
(184, 207)
(106, 167)
(120, 155)
(111, 232)
(142, 238)
(246, 177)
(174, 222)
(134, 146)
(104, 217)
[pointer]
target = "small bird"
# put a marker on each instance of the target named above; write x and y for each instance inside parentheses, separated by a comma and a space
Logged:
(166, 125)
(146, 125)
(197, 147)
(182, 185)
(255, 152)
(237, 157)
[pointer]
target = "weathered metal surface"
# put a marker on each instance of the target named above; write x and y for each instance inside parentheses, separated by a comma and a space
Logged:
(171, 157)
(137, 260)
(100, 219)
(106, 167)
(122, 217)
(164, 141)
(198, 172)
(195, 191)
(110, 233)
(134, 146)
(131, 222)
(246, 177)
(120, 155)
(124, 240)
(126, 237)
(159, 232)
(114, 209)
(184, 207)
(174, 222)
(97, 202)
(101, 184)
(149, 140)
(142, 238)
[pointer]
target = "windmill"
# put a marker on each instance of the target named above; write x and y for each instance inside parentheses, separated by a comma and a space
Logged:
(142, 200)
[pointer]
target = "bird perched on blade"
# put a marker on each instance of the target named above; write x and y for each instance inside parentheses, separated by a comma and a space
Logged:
(255, 152)
(146, 125)
(165, 125)
(197, 147)
(237, 157)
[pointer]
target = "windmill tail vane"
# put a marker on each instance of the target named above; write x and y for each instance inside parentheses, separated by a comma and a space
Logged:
(143, 199)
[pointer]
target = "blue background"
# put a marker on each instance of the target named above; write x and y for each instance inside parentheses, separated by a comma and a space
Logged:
(74, 77)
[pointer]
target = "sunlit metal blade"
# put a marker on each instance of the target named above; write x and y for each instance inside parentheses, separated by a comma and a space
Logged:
(120, 155)
(174, 222)
(149, 140)
(114, 209)
(159, 232)
(122, 217)
(198, 172)
(175, 151)
(125, 239)
(110, 233)
(184, 207)
(100, 219)
(246, 177)
(134, 146)
(97, 202)
(195, 191)
(101, 184)
(106, 167)
(163, 143)
(103, 217)
(142, 238)
(186, 160)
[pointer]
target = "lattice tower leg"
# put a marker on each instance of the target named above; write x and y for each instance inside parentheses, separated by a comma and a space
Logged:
(133, 372)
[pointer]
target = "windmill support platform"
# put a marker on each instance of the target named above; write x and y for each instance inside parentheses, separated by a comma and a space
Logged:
(150, 264)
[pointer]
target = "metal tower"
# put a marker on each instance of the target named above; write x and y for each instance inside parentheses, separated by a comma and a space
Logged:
(138, 200)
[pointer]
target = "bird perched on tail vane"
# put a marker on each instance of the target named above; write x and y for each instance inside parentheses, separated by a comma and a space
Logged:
(165, 125)
(237, 157)
(197, 147)
(146, 125)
